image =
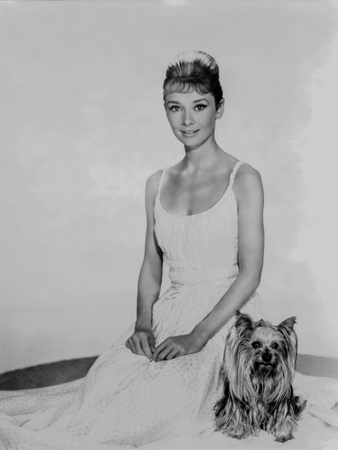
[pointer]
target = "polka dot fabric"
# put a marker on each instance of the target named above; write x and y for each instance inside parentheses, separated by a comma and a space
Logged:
(126, 401)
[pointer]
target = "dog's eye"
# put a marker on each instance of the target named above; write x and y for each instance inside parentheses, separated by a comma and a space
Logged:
(275, 345)
(256, 344)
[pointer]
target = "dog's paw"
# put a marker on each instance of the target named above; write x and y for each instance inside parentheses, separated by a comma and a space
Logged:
(237, 435)
(283, 437)
(241, 432)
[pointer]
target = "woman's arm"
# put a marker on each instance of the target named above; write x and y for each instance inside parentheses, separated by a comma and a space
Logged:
(250, 199)
(149, 283)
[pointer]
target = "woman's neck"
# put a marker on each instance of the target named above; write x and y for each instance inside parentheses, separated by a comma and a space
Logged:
(203, 157)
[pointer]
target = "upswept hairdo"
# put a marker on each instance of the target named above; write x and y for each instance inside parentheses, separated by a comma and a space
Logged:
(193, 70)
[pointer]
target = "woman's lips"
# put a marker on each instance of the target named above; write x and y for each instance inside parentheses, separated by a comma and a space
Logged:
(189, 133)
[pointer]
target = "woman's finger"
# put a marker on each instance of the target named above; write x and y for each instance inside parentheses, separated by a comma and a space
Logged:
(130, 345)
(151, 341)
(163, 350)
(158, 349)
(138, 347)
(173, 354)
(163, 354)
(145, 347)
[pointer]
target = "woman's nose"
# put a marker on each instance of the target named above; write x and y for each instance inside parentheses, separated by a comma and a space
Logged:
(187, 118)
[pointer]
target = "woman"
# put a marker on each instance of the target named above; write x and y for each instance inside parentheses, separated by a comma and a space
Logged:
(163, 376)
(193, 101)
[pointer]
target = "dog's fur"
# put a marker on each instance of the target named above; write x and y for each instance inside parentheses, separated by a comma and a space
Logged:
(260, 360)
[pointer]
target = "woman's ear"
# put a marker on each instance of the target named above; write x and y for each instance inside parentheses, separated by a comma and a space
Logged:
(220, 109)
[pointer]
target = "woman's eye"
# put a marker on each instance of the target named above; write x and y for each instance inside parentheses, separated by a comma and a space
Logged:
(174, 108)
(200, 107)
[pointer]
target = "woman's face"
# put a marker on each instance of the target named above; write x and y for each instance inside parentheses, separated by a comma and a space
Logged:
(192, 116)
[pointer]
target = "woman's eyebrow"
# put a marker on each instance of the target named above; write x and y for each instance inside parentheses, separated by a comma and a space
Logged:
(195, 101)
(201, 100)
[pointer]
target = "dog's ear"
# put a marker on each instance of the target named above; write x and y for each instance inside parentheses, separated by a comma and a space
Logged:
(287, 325)
(243, 321)
(290, 339)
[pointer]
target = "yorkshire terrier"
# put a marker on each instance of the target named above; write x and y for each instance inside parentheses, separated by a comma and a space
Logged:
(260, 360)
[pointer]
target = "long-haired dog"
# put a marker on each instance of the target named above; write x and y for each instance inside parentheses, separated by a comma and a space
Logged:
(260, 359)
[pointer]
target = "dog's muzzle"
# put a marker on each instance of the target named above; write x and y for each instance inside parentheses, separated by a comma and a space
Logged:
(266, 357)
(264, 363)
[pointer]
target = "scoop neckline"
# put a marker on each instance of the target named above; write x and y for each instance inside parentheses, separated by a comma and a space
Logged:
(183, 216)
(228, 188)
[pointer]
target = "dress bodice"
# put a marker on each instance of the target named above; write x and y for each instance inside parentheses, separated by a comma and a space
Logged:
(203, 247)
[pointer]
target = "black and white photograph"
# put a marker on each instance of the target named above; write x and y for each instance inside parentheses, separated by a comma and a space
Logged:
(168, 224)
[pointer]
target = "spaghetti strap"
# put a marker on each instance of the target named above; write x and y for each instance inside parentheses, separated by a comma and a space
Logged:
(233, 173)
(160, 183)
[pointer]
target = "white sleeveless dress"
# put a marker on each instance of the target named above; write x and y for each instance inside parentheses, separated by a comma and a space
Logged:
(126, 399)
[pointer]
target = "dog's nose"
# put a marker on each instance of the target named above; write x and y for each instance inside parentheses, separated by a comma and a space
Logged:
(266, 357)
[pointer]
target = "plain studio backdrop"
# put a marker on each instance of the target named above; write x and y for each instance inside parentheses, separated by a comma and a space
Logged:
(83, 126)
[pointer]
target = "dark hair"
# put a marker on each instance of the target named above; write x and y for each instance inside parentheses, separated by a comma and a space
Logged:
(195, 70)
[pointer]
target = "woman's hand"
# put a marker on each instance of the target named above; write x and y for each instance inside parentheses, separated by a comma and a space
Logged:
(173, 347)
(142, 343)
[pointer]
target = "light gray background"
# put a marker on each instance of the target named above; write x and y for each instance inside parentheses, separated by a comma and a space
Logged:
(83, 126)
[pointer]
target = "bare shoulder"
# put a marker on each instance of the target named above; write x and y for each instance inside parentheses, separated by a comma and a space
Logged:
(247, 177)
(153, 182)
(248, 182)
(152, 186)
